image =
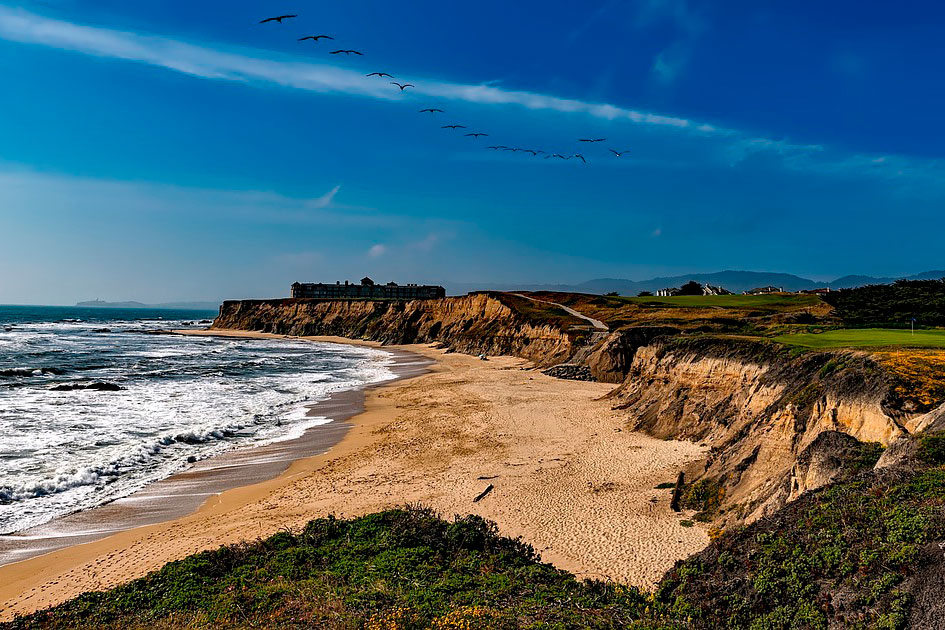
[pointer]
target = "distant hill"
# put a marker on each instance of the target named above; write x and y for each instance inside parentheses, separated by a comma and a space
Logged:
(735, 281)
(180, 306)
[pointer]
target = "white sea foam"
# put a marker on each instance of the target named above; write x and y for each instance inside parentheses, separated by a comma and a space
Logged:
(183, 398)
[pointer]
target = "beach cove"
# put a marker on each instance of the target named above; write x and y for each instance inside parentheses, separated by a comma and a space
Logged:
(567, 478)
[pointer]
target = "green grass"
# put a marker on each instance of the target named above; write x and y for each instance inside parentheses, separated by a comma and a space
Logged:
(867, 338)
(759, 302)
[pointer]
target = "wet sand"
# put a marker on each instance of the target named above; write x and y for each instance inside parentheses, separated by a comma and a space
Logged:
(568, 478)
(184, 492)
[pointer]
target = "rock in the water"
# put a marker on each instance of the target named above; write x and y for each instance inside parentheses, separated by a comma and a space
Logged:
(100, 386)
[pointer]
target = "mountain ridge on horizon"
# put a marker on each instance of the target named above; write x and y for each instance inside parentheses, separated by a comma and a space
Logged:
(735, 281)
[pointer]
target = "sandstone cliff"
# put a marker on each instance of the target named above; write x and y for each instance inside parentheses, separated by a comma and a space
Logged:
(759, 406)
(474, 324)
(761, 409)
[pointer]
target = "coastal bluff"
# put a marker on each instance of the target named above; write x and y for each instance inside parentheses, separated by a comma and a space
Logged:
(472, 324)
(768, 415)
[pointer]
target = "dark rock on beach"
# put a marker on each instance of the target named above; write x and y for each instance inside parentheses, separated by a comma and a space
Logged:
(571, 372)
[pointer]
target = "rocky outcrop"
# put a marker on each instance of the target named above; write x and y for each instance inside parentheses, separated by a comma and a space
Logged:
(474, 324)
(759, 408)
(610, 359)
(570, 372)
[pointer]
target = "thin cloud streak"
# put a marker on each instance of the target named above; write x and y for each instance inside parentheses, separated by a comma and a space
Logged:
(208, 63)
(250, 67)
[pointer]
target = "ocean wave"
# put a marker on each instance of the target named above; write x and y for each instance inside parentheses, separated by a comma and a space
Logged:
(98, 476)
(187, 399)
(28, 371)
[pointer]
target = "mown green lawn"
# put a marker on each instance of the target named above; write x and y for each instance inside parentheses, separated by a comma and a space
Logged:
(765, 302)
(867, 338)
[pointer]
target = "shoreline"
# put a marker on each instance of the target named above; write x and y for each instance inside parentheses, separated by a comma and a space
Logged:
(566, 479)
(185, 492)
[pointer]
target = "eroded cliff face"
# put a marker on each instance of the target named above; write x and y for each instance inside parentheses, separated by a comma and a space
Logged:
(758, 408)
(474, 324)
(774, 420)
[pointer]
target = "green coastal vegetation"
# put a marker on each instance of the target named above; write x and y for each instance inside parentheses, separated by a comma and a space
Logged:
(774, 302)
(853, 553)
(866, 338)
(905, 314)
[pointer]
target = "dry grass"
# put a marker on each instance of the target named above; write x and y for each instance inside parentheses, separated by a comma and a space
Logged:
(689, 312)
(920, 375)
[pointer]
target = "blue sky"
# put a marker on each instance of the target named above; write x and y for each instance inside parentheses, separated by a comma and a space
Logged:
(165, 150)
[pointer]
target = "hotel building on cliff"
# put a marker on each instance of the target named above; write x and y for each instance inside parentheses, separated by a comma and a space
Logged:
(367, 290)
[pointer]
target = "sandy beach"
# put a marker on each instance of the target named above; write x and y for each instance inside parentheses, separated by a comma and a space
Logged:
(567, 476)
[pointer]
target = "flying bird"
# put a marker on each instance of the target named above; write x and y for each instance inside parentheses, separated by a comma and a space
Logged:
(618, 153)
(497, 147)
(578, 155)
(402, 86)
(592, 139)
(453, 127)
(278, 18)
(534, 153)
(347, 52)
(431, 110)
(476, 135)
(556, 155)
(315, 38)
(380, 74)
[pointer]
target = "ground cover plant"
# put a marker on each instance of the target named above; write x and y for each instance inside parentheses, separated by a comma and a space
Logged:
(852, 554)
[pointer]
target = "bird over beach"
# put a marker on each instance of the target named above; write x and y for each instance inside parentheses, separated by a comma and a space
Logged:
(436, 110)
(278, 19)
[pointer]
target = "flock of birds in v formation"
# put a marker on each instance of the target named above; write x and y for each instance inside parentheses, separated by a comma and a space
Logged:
(435, 110)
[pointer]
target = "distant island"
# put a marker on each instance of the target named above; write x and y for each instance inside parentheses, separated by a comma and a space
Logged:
(181, 306)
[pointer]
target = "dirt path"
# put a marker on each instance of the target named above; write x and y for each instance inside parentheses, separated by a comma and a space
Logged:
(596, 323)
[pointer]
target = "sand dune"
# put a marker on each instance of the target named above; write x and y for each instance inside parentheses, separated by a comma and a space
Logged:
(568, 479)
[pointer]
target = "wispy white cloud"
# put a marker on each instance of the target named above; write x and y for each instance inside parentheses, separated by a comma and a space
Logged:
(376, 251)
(428, 242)
(326, 200)
(262, 68)
(21, 190)
(669, 63)
(254, 67)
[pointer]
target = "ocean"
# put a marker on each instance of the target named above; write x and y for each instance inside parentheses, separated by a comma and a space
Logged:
(94, 405)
